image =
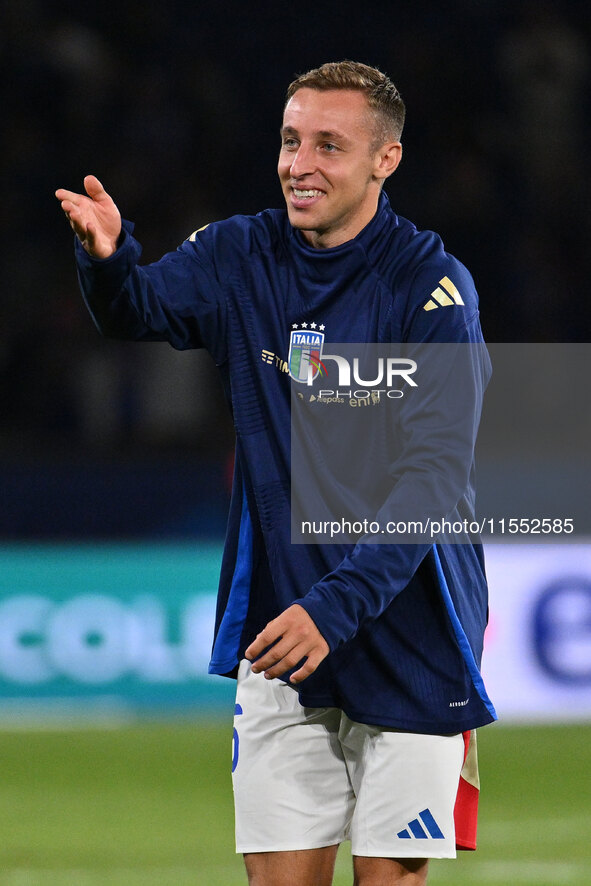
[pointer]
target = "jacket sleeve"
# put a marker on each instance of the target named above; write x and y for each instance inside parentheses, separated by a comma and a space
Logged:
(178, 299)
(430, 476)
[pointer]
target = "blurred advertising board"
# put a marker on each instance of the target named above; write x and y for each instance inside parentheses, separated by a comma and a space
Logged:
(116, 631)
(537, 658)
(108, 630)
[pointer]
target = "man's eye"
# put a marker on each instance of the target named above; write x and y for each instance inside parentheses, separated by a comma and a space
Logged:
(330, 148)
(290, 143)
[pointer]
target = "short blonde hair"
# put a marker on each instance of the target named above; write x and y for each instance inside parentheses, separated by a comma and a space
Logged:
(382, 96)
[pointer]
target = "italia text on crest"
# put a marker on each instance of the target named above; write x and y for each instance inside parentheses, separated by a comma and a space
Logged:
(305, 354)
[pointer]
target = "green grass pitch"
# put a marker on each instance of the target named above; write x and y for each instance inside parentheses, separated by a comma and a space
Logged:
(151, 805)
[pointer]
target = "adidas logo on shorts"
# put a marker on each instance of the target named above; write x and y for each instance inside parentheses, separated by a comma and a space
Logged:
(423, 829)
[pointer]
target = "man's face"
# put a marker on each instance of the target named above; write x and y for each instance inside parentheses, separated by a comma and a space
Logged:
(329, 173)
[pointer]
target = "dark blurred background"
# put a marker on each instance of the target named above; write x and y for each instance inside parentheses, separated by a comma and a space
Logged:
(176, 107)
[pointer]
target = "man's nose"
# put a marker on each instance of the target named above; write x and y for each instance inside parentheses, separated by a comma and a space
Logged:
(303, 162)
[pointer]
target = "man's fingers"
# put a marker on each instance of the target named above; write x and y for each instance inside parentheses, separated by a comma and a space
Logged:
(85, 231)
(261, 641)
(289, 660)
(68, 206)
(75, 218)
(62, 194)
(254, 649)
(94, 218)
(284, 642)
(308, 667)
(280, 658)
(285, 663)
(271, 657)
(72, 208)
(94, 188)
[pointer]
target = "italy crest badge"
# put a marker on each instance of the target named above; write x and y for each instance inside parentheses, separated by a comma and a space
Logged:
(305, 355)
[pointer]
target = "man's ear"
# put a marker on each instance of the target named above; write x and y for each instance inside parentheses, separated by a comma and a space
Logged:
(387, 159)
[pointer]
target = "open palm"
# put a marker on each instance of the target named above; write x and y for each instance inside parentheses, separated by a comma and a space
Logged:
(94, 218)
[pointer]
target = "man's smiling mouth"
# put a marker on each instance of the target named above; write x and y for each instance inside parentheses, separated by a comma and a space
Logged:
(302, 193)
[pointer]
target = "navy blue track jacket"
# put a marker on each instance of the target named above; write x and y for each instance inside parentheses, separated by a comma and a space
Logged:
(404, 622)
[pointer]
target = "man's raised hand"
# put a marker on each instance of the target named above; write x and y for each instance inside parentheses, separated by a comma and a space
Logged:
(95, 219)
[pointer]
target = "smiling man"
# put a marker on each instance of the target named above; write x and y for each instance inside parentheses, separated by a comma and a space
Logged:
(332, 176)
(357, 666)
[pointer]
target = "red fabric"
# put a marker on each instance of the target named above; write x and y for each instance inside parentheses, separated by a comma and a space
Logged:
(466, 808)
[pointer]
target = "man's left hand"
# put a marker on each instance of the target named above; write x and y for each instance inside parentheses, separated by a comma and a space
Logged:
(297, 637)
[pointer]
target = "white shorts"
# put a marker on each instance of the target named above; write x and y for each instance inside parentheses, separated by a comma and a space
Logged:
(310, 777)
